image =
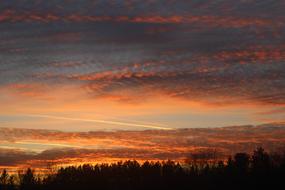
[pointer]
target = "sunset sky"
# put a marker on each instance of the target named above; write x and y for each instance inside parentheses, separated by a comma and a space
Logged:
(107, 65)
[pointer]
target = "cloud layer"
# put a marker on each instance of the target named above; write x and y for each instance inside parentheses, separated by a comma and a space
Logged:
(226, 51)
(171, 60)
(42, 148)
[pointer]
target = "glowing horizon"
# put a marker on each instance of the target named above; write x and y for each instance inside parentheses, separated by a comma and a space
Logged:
(150, 68)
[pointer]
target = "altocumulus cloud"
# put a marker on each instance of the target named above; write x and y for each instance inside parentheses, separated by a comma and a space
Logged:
(226, 51)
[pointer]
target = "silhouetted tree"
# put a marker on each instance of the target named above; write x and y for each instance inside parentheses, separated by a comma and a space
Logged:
(241, 162)
(243, 171)
(4, 177)
(28, 180)
(260, 161)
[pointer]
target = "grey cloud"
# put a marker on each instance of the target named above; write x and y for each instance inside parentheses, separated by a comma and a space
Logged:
(29, 50)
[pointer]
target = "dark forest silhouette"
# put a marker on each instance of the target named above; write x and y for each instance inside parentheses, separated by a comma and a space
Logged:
(242, 171)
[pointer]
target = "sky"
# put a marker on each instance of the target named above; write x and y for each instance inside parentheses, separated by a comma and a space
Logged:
(46, 150)
(148, 64)
(110, 65)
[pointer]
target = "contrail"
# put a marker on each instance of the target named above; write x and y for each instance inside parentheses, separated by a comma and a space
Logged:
(100, 121)
(45, 143)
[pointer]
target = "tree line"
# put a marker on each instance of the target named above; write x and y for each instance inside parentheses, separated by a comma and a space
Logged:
(259, 170)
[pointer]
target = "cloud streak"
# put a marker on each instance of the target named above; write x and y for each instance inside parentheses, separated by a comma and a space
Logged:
(100, 121)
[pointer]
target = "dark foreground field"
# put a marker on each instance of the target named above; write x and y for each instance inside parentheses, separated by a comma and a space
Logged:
(259, 170)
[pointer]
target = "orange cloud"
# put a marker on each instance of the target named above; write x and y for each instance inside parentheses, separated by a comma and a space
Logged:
(63, 148)
(214, 21)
